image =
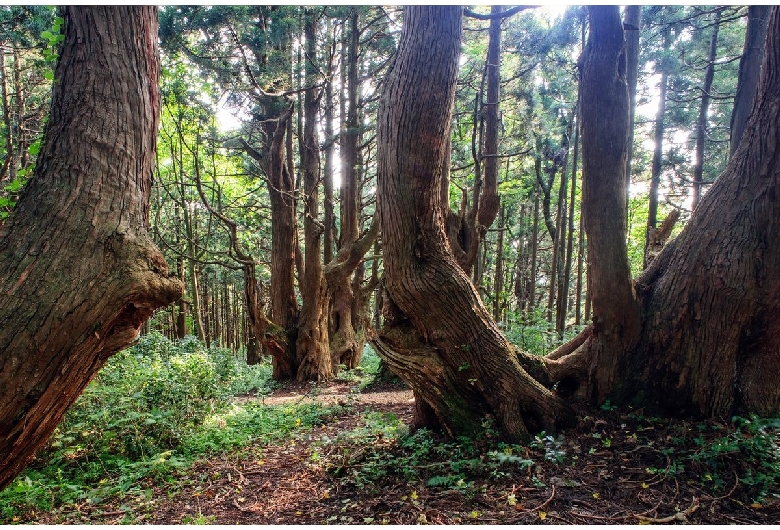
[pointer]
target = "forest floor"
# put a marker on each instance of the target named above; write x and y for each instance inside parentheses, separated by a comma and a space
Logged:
(354, 468)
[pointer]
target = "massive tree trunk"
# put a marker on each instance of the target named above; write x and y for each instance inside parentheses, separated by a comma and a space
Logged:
(438, 336)
(700, 334)
(78, 274)
(711, 334)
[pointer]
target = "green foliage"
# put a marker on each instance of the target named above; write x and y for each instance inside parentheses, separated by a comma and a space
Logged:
(383, 449)
(147, 414)
(754, 445)
(534, 334)
(363, 375)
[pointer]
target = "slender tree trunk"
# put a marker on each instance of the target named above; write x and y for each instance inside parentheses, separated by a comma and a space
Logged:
(560, 245)
(655, 179)
(471, 226)
(701, 123)
(563, 292)
(78, 271)
(498, 278)
(631, 24)
(534, 253)
(580, 275)
(7, 119)
(327, 177)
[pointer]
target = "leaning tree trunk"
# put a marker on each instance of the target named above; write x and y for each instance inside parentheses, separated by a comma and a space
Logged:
(78, 273)
(438, 336)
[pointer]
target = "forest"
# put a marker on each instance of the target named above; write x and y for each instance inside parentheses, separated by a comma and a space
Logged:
(389, 265)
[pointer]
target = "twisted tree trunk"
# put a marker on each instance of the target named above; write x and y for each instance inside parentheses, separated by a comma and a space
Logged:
(438, 335)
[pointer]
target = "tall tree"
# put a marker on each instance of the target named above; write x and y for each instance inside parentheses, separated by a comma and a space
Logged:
(78, 273)
(632, 18)
(605, 133)
(312, 344)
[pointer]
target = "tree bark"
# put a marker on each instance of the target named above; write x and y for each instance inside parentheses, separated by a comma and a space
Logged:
(347, 313)
(749, 71)
(78, 273)
(438, 336)
(709, 304)
(277, 332)
(605, 125)
(655, 178)
(632, 18)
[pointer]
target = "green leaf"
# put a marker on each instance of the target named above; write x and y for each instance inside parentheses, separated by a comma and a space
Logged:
(46, 34)
(49, 75)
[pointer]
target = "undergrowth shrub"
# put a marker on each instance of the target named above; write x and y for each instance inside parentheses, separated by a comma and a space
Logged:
(150, 410)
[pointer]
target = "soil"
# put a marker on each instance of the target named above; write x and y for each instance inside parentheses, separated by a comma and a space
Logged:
(617, 468)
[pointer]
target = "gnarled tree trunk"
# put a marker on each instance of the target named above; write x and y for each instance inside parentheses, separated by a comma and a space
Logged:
(78, 274)
(438, 336)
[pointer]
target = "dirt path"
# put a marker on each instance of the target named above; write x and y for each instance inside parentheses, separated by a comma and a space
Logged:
(341, 394)
(613, 469)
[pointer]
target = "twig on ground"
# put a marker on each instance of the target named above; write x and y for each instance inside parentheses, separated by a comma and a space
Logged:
(679, 516)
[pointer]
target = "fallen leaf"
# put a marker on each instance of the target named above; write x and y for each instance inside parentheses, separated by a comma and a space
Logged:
(511, 500)
(596, 495)
(542, 515)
